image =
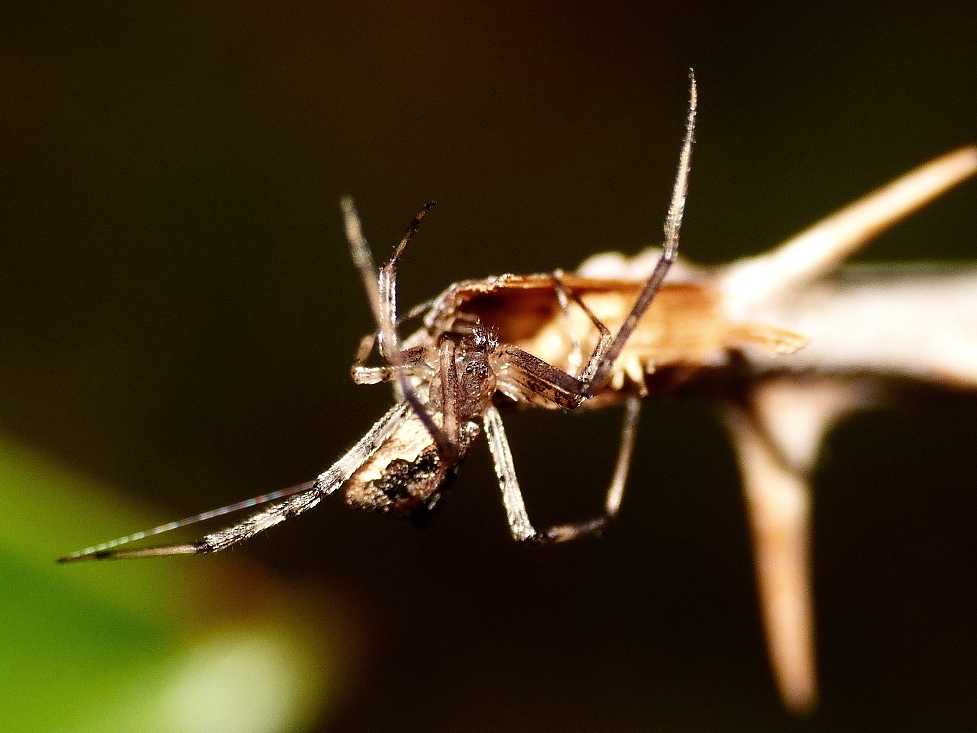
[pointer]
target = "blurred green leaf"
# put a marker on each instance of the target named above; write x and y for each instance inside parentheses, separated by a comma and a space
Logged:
(132, 646)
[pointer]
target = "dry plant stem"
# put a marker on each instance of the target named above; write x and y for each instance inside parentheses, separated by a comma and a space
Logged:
(777, 435)
(857, 324)
(779, 507)
(917, 321)
(820, 248)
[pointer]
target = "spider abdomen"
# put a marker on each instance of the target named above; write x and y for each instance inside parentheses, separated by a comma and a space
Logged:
(406, 475)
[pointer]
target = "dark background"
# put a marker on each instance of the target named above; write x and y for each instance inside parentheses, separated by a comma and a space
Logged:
(178, 315)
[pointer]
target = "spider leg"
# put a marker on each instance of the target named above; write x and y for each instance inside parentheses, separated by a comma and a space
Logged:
(575, 356)
(412, 361)
(527, 378)
(382, 294)
(564, 295)
(326, 483)
(515, 508)
(387, 285)
(360, 251)
(223, 538)
(186, 521)
(362, 374)
(673, 225)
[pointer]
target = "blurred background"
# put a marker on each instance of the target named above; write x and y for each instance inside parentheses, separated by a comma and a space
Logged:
(178, 314)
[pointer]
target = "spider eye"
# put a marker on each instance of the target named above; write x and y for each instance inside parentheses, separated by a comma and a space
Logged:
(480, 337)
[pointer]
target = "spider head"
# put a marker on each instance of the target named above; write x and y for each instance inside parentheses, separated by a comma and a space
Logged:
(476, 376)
(485, 340)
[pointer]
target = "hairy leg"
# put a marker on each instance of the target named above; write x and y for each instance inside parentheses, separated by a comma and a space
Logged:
(362, 374)
(382, 294)
(306, 497)
(564, 295)
(673, 225)
(412, 362)
(519, 523)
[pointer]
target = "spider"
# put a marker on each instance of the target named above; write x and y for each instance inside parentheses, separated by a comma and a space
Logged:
(450, 385)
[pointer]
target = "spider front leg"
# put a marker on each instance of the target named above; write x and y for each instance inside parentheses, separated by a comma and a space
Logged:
(382, 294)
(411, 357)
(515, 508)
